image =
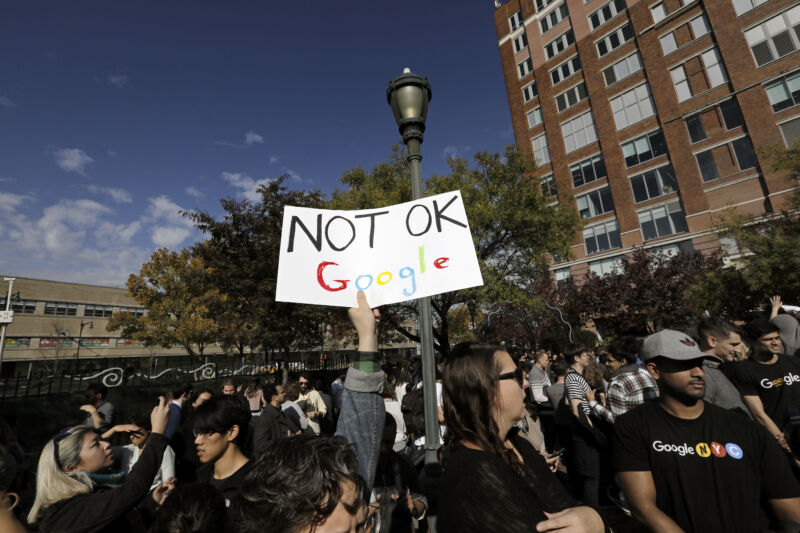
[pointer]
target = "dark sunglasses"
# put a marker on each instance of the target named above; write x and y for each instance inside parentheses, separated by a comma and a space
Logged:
(61, 435)
(517, 375)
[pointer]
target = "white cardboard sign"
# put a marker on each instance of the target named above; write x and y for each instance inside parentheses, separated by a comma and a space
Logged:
(394, 254)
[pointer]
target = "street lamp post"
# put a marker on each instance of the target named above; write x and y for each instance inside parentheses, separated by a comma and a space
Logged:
(80, 336)
(409, 96)
(7, 317)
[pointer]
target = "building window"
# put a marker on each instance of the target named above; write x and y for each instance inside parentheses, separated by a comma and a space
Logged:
(790, 130)
(615, 39)
(515, 21)
(559, 44)
(541, 4)
(785, 92)
(535, 117)
(668, 43)
(623, 68)
(776, 37)
(606, 13)
(98, 311)
(745, 155)
(563, 276)
(659, 12)
(529, 92)
(571, 96)
(590, 169)
(602, 237)
(540, 150)
(662, 221)
(653, 183)
(708, 73)
(525, 68)
(554, 17)
(697, 132)
(548, 186)
(609, 265)
(135, 311)
(644, 148)
(60, 309)
(731, 114)
(681, 83)
(632, 106)
(743, 6)
(565, 69)
(708, 168)
(520, 42)
(579, 131)
(24, 307)
(595, 203)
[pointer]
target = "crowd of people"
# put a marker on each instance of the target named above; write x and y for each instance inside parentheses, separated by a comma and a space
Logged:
(680, 431)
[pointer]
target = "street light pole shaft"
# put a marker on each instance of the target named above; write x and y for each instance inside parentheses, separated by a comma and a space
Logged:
(426, 330)
(8, 308)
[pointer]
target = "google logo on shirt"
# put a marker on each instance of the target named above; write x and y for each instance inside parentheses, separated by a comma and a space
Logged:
(701, 449)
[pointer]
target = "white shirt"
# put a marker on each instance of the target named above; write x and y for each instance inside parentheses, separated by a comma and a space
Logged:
(128, 455)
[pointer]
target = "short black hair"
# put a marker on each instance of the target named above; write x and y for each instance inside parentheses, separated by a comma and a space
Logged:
(179, 390)
(297, 484)
(140, 419)
(755, 329)
(559, 367)
(98, 388)
(574, 350)
(191, 508)
(714, 326)
(221, 413)
(625, 348)
(269, 389)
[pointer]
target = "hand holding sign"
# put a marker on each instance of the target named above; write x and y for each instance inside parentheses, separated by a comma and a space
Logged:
(393, 254)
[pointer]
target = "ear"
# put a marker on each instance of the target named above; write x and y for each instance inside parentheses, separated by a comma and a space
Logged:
(711, 341)
(233, 432)
(652, 368)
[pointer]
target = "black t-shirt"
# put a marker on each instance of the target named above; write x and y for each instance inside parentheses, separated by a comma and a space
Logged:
(778, 384)
(479, 492)
(710, 473)
(229, 486)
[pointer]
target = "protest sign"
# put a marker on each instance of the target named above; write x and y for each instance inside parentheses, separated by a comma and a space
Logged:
(396, 253)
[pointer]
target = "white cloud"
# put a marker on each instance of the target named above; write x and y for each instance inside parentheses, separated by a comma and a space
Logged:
(274, 159)
(251, 138)
(7, 103)
(293, 175)
(10, 201)
(72, 160)
(120, 196)
(63, 225)
(248, 185)
(120, 81)
(109, 233)
(454, 151)
(169, 236)
(6, 180)
(194, 192)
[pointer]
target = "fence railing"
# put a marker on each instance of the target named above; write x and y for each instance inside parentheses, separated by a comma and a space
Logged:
(163, 370)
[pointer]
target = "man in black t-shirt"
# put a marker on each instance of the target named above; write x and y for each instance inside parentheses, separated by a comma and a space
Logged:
(769, 382)
(687, 465)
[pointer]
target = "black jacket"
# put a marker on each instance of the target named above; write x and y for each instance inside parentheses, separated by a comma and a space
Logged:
(271, 425)
(105, 508)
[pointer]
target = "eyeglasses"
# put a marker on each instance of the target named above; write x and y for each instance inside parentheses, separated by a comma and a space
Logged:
(517, 375)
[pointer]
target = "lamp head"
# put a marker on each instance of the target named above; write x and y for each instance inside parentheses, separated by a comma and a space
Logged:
(408, 96)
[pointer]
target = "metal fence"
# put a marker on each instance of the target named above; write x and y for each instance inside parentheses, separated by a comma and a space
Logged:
(164, 370)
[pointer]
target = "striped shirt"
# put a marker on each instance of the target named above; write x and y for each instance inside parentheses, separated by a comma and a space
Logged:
(576, 387)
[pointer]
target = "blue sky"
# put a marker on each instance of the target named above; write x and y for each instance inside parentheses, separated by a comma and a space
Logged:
(115, 115)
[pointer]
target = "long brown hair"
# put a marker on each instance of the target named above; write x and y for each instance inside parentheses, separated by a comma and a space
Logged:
(469, 392)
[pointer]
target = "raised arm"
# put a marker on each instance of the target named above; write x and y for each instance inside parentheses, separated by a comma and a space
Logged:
(640, 492)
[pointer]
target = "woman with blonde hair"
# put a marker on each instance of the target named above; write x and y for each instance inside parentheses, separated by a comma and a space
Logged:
(67, 499)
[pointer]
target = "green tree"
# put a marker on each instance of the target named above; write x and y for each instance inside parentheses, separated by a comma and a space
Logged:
(179, 303)
(513, 228)
(770, 250)
(241, 255)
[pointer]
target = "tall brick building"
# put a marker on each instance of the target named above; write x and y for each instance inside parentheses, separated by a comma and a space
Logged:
(652, 114)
